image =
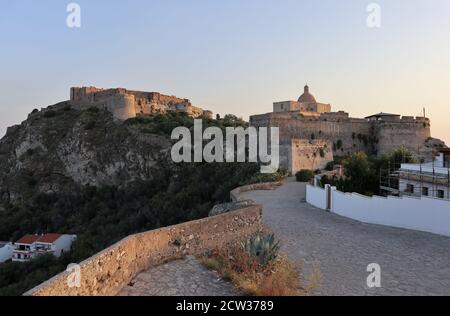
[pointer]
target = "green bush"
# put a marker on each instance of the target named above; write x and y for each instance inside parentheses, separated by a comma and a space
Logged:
(330, 166)
(93, 109)
(263, 246)
(304, 175)
(49, 113)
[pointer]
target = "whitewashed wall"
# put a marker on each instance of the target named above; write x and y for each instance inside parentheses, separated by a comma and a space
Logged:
(423, 214)
(6, 252)
(316, 196)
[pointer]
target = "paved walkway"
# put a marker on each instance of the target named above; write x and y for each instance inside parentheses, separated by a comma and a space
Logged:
(179, 278)
(412, 263)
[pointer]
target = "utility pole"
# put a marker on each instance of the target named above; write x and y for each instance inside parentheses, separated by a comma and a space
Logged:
(448, 183)
(434, 178)
(420, 162)
(389, 174)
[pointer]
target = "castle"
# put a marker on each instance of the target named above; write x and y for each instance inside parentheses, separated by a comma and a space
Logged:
(125, 104)
(311, 135)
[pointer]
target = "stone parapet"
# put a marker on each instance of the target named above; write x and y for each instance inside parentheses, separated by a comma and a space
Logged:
(109, 271)
(235, 194)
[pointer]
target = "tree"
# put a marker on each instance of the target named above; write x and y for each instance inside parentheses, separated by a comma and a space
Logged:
(304, 175)
(361, 177)
(401, 155)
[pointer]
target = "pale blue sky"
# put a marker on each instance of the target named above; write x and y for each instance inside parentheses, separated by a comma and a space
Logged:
(231, 56)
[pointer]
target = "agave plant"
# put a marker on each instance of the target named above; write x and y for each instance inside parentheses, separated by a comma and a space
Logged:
(263, 246)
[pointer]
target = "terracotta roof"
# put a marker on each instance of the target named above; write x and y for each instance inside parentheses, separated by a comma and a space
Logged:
(28, 239)
(49, 238)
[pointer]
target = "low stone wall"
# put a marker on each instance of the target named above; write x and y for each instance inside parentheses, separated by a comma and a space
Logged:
(235, 194)
(109, 271)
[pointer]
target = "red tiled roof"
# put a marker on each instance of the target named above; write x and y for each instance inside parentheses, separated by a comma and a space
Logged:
(28, 239)
(49, 238)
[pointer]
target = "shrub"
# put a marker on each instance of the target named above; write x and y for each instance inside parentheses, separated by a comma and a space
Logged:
(93, 109)
(90, 125)
(329, 166)
(263, 247)
(49, 113)
(304, 175)
(266, 177)
(278, 277)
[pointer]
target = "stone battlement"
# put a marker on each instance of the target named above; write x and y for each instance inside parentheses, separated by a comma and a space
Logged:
(125, 104)
(341, 134)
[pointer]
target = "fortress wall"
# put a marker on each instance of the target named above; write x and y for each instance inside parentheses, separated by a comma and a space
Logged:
(122, 106)
(109, 271)
(353, 134)
(332, 129)
(309, 154)
(408, 133)
(80, 94)
(104, 95)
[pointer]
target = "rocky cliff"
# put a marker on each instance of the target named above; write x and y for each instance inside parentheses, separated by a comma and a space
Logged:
(59, 148)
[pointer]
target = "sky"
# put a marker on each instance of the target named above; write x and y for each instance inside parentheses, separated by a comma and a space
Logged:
(231, 56)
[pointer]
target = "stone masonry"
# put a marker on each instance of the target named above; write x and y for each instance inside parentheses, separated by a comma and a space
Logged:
(305, 122)
(111, 270)
(125, 104)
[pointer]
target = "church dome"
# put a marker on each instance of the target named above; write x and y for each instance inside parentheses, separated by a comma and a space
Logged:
(307, 97)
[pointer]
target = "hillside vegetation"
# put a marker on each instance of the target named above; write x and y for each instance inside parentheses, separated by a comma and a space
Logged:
(79, 172)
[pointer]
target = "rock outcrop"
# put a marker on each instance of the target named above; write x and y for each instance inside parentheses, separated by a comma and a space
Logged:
(60, 148)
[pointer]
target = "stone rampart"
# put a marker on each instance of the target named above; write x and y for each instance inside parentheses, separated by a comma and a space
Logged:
(349, 135)
(107, 272)
(235, 194)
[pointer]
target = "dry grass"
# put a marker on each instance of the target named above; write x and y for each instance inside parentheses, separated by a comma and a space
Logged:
(279, 278)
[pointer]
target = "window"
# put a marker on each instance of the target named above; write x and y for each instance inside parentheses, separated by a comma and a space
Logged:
(447, 161)
(409, 188)
(440, 194)
(425, 191)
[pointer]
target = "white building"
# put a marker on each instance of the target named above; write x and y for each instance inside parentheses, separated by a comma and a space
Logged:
(30, 246)
(428, 179)
(6, 251)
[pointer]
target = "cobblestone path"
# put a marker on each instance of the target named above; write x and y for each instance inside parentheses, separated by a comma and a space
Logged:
(179, 278)
(412, 263)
